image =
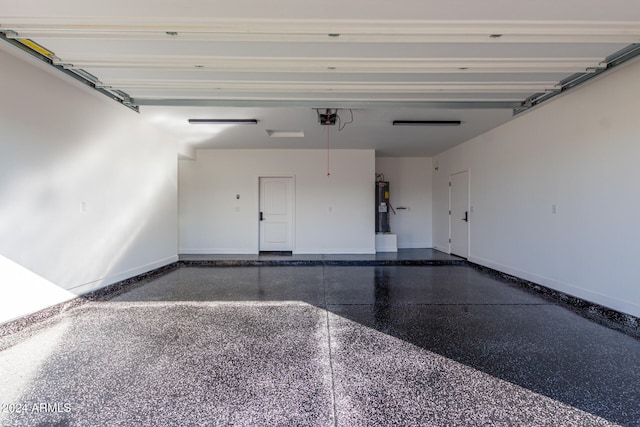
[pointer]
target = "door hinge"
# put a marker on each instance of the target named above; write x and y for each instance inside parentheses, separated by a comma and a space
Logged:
(449, 212)
(449, 183)
(449, 240)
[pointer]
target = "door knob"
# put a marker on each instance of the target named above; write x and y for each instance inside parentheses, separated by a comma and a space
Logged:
(261, 217)
(466, 217)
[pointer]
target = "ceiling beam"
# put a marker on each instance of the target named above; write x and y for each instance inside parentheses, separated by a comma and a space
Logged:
(173, 102)
(336, 64)
(325, 30)
(323, 38)
(335, 87)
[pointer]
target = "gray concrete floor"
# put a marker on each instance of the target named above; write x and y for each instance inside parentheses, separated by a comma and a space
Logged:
(320, 345)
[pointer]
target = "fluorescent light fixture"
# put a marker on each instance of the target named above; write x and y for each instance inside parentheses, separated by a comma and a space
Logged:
(426, 122)
(285, 133)
(224, 121)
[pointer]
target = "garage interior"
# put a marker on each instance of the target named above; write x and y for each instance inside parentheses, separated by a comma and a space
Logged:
(190, 212)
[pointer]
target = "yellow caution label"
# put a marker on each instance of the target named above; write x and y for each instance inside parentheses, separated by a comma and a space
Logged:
(35, 46)
(386, 194)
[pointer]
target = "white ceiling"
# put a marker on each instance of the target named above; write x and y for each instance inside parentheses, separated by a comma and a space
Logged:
(276, 61)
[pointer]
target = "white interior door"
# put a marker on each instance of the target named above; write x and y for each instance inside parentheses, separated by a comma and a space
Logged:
(459, 213)
(276, 214)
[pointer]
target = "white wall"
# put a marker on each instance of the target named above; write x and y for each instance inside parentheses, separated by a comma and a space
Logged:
(579, 152)
(410, 183)
(333, 214)
(63, 147)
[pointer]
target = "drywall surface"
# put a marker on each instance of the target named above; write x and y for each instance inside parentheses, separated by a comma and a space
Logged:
(333, 214)
(88, 190)
(410, 183)
(555, 193)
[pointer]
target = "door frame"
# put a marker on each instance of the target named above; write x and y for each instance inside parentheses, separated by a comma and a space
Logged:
(468, 172)
(293, 206)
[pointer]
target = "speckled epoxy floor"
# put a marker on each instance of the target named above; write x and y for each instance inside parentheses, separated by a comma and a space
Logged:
(321, 345)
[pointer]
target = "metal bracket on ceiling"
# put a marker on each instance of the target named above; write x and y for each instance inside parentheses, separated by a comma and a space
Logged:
(11, 34)
(328, 117)
(612, 61)
(10, 37)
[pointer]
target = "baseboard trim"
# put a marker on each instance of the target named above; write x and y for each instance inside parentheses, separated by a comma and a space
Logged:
(608, 317)
(560, 286)
(108, 291)
(123, 275)
(218, 251)
(415, 246)
(441, 248)
(344, 251)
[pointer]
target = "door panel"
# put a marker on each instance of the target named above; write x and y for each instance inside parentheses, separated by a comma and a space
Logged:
(275, 232)
(459, 218)
(276, 207)
(275, 197)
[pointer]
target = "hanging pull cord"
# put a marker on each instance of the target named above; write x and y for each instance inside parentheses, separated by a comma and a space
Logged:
(328, 170)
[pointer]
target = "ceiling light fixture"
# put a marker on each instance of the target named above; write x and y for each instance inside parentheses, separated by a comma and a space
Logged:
(224, 121)
(426, 122)
(285, 133)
